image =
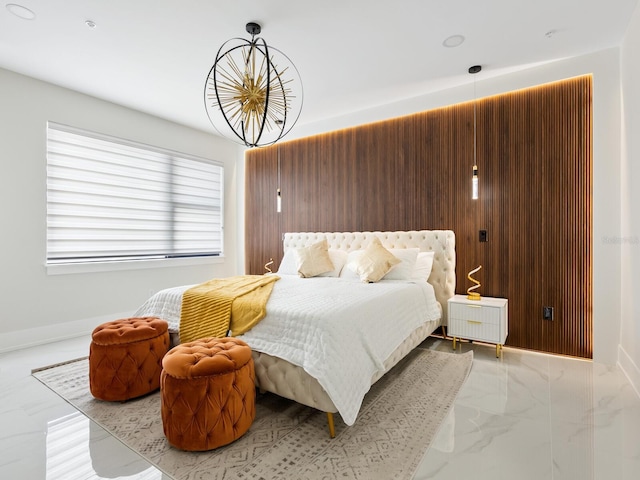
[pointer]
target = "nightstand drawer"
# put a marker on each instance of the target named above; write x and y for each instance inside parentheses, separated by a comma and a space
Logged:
(474, 313)
(474, 330)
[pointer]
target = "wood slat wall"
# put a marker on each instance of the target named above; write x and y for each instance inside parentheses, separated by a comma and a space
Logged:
(535, 176)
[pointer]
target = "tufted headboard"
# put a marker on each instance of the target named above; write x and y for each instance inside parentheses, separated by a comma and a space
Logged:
(442, 242)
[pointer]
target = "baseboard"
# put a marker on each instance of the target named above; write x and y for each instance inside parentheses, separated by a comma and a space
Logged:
(30, 337)
(629, 368)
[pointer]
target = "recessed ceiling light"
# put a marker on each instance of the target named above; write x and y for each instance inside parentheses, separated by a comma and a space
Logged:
(453, 41)
(90, 24)
(20, 11)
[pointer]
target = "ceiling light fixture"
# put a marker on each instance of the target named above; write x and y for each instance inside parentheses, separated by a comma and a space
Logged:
(474, 179)
(20, 11)
(90, 23)
(253, 93)
(453, 41)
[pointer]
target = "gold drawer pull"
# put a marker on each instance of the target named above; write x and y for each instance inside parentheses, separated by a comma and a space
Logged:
(474, 306)
(474, 322)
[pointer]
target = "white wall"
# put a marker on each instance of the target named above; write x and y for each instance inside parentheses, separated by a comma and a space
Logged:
(629, 352)
(605, 68)
(35, 306)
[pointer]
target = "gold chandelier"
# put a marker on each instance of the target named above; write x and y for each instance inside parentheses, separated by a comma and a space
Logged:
(253, 93)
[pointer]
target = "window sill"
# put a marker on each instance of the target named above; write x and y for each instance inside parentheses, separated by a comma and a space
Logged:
(71, 268)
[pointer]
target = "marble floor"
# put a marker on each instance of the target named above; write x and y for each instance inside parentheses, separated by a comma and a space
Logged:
(524, 416)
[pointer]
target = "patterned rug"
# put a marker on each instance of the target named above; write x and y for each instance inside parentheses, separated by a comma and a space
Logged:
(399, 418)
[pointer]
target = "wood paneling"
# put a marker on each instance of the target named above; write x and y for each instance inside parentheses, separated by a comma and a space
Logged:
(414, 172)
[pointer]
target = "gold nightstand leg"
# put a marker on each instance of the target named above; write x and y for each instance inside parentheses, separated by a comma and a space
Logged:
(454, 343)
(498, 350)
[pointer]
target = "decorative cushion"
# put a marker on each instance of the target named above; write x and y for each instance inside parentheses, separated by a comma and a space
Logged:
(288, 265)
(125, 357)
(207, 393)
(314, 260)
(374, 263)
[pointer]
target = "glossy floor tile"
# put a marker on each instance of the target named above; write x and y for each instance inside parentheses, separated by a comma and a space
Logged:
(533, 416)
(43, 437)
(525, 415)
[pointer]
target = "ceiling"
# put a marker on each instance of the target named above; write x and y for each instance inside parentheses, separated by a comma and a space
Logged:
(154, 55)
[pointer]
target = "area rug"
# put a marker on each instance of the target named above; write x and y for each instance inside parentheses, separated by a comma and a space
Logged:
(398, 420)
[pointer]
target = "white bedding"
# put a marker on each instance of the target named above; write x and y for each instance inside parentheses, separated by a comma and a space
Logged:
(339, 331)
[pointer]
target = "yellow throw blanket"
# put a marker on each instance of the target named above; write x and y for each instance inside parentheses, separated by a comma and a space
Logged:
(213, 308)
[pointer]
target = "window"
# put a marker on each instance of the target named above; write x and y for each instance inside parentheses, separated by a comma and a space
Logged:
(113, 200)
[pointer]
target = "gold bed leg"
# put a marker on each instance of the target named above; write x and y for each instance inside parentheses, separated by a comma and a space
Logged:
(332, 428)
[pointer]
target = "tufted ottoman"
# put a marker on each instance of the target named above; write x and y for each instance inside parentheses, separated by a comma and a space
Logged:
(125, 357)
(208, 393)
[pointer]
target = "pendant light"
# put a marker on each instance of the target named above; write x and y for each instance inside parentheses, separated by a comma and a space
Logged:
(474, 179)
(278, 192)
(253, 93)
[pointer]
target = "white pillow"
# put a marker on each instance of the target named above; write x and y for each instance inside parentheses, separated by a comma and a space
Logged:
(424, 264)
(289, 263)
(338, 258)
(349, 270)
(374, 262)
(405, 269)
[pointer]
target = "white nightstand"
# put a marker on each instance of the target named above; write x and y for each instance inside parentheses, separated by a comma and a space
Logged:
(484, 320)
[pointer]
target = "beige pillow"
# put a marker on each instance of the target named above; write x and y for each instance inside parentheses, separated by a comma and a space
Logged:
(375, 262)
(314, 260)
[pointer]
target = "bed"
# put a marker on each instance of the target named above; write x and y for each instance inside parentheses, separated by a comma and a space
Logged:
(315, 326)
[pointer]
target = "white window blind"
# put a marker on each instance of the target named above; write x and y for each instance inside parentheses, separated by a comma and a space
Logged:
(113, 200)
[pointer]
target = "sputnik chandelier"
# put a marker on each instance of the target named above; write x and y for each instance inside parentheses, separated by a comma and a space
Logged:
(253, 93)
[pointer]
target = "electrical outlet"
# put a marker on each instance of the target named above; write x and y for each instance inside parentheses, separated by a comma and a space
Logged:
(547, 313)
(482, 236)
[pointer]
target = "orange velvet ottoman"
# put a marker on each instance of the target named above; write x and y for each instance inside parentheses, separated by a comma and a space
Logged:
(125, 357)
(208, 393)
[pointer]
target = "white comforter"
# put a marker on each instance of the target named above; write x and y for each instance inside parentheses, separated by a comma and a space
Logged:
(339, 331)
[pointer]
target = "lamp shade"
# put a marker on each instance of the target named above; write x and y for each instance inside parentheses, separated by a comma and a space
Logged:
(474, 183)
